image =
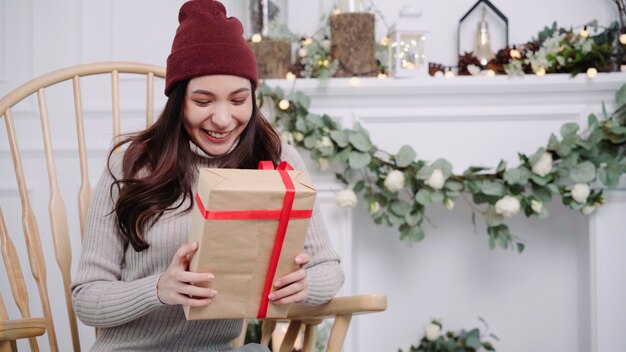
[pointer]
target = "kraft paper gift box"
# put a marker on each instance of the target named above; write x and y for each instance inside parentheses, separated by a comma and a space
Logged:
(249, 228)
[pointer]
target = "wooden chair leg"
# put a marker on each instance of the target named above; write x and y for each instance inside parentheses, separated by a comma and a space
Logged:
(290, 337)
(309, 337)
(338, 332)
(267, 329)
(6, 346)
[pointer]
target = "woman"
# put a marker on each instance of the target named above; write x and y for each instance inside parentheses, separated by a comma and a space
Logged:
(132, 278)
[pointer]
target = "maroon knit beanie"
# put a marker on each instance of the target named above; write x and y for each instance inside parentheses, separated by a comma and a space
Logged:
(208, 43)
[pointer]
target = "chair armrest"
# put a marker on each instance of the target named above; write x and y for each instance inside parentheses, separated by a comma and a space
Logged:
(11, 330)
(346, 305)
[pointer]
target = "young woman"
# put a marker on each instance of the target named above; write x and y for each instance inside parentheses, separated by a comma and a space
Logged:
(132, 279)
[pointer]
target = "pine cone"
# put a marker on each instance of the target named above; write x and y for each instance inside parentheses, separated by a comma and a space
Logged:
(434, 67)
(465, 60)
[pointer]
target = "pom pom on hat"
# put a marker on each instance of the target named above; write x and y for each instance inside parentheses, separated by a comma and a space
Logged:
(208, 43)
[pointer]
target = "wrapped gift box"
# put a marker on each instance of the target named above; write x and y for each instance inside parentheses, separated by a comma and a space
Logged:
(250, 225)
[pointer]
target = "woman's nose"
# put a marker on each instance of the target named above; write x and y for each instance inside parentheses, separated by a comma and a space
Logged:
(221, 116)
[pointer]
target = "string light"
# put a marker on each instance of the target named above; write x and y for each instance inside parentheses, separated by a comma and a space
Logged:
(449, 73)
(384, 41)
(540, 72)
(355, 82)
(592, 72)
(283, 104)
(584, 32)
(490, 73)
(303, 52)
(307, 41)
(515, 54)
(256, 38)
(290, 76)
(336, 11)
(622, 38)
(382, 75)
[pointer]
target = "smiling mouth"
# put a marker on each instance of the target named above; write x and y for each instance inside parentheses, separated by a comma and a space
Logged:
(218, 135)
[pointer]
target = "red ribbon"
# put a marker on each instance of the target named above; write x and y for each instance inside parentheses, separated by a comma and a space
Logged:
(282, 216)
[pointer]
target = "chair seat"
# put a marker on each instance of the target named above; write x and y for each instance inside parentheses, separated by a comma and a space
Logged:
(21, 328)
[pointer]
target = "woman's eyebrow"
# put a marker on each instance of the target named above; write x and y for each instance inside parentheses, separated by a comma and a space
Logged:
(206, 92)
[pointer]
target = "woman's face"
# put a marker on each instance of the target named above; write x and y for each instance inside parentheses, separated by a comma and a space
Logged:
(217, 109)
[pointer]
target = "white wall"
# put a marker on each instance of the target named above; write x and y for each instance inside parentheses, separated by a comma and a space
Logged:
(452, 274)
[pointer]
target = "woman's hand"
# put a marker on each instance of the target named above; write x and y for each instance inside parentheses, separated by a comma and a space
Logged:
(175, 286)
(293, 287)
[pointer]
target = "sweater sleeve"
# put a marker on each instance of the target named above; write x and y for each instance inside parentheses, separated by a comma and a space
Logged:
(99, 295)
(324, 273)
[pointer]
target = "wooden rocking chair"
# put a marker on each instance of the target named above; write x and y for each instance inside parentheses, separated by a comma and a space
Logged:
(27, 327)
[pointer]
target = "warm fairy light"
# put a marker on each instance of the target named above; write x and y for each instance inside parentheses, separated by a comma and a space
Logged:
(449, 74)
(515, 54)
(622, 38)
(584, 32)
(336, 11)
(256, 38)
(540, 72)
(303, 52)
(490, 73)
(384, 41)
(290, 76)
(355, 82)
(307, 41)
(284, 104)
(382, 75)
(592, 72)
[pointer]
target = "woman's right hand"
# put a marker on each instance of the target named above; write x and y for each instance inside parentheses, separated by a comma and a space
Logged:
(175, 286)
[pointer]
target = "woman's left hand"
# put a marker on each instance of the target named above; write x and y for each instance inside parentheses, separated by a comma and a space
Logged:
(293, 287)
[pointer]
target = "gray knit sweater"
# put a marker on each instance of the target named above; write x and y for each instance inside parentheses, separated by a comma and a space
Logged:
(115, 286)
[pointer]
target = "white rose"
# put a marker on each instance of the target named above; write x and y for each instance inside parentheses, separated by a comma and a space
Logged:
(324, 142)
(286, 137)
(448, 203)
(588, 209)
(536, 206)
(508, 206)
(432, 332)
(324, 164)
(436, 179)
(394, 181)
(374, 207)
(543, 166)
(346, 198)
(298, 136)
(580, 192)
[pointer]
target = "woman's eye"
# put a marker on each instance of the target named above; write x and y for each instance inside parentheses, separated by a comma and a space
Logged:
(202, 102)
(238, 101)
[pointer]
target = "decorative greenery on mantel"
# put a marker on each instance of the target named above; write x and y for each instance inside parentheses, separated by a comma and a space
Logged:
(398, 188)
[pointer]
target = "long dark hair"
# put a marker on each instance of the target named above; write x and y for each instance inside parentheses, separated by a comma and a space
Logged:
(158, 167)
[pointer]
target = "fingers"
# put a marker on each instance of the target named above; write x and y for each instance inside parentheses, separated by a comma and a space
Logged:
(295, 292)
(184, 251)
(302, 259)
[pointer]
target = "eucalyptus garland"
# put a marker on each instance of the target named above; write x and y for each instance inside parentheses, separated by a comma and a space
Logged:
(574, 166)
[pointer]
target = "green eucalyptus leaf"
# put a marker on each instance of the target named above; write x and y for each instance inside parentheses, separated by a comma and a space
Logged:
(501, 166)
(301, 98)
(310, 141)
(411, 234)
(358, 187)
(569, 129)
(583, 172)
(339, 137)
(360, 141)
(609, 176)
(535, 157)
(520, 249)
(592, 120)
(341, 157)
(359, 160)
(518, 175)
(394, 219)
(542, 181)
(405, 156)
(492, 188)
(620, 96)
(444, 166)
(400, 207)
(424, 173)
(553, 143)
(414, 218)
(423, 196)
(453, 186)
(436, 197)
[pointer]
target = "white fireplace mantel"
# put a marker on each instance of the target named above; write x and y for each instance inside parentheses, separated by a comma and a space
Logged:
(478, 121)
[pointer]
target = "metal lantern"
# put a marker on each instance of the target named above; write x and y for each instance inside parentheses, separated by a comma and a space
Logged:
(407, 55)
(482, 46)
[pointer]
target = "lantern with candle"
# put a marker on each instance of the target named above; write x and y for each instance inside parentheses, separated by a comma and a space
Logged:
(407, 56)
